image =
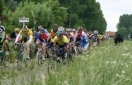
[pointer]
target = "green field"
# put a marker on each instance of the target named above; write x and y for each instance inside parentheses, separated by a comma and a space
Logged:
(103, 65)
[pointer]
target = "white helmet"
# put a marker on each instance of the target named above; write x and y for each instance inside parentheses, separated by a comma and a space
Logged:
(73, 29)
(95, 32)
(61, 29)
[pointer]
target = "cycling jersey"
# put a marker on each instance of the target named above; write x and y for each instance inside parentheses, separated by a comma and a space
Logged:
(84, 37)
(26, 33)
(52, 33)
(2, 29)
(62, 41)
(42, 37)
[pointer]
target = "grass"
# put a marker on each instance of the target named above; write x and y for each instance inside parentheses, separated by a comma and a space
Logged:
(104, 65)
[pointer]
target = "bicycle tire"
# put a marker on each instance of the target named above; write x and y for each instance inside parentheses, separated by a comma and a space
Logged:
(39, 59)
(51, 62)
(20, 60)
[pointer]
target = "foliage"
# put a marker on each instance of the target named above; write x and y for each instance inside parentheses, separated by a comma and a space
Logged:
(125, 22)
(1, 7)
(123, 31)
(43, 14)
(68, 13)
(88, 12)
(11, 4)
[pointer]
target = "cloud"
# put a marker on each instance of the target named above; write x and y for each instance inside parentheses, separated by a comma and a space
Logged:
(113, 9)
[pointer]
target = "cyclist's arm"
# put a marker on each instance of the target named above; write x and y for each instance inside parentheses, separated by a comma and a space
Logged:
(17, 38)
(49, 36)
(30, 39)
(3, 33)
(75, 36)
(3, 36)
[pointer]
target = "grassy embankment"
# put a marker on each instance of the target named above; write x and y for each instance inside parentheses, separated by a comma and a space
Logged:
(104, 65)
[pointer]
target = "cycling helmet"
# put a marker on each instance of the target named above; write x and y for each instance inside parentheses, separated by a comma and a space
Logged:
(61, 29)
(68, 29)
(55, 28)
(40, 28)
(25, 28)
(95, 32)
(73, 30)
(59, 33)
(80, 28)
(17, 29)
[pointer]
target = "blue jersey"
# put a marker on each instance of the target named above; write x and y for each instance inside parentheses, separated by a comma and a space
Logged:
(84, 38)
(38, 36)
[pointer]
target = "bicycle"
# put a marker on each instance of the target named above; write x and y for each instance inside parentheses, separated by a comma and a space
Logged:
(39, 54)
(52, 58)
(4, 58)
(78, 48)
(68, 56)
(21, 59)
(72, 49)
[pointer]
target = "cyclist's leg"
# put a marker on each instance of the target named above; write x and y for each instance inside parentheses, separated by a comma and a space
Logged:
(43, 50)
(6, 42)
(28, 48)
(1, 44)
(62, 51)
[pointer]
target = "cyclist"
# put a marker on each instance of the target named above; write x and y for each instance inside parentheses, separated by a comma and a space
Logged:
(82, 37)
(27, 37)
(95, 38)
(2, 34)
(15, 33)
(62, 41)
(41, 38)
(53, 32)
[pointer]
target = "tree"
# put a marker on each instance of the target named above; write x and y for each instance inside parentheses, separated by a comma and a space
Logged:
(11, 4)
(125, 22)
(45, 14)
(1, 7)
(88, 11)
(122, 31)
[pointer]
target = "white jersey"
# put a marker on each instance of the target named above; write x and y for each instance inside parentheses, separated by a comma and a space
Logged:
(2, 29)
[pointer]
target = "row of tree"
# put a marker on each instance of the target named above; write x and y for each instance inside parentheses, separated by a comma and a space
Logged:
(125, 25)
(67, 13)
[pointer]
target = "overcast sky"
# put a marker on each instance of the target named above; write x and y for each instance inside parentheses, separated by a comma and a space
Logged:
(113, 9)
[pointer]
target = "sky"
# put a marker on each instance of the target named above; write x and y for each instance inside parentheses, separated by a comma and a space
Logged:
(113, 9)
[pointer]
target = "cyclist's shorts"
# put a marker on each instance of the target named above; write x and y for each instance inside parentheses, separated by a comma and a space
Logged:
(78, 39)
(61, 46)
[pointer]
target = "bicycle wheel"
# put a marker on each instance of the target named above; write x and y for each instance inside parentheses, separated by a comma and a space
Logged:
(50, 65)
(20, 60)
(39, 56)
(40, 59)
(51, 61)
(6, 57)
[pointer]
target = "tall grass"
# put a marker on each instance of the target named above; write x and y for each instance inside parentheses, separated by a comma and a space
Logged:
(105, 65)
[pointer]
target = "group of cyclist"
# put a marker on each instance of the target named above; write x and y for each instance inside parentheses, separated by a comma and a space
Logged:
(57, 36)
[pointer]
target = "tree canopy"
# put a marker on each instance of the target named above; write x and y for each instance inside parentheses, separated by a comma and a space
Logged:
(68, 13)
(125, 24)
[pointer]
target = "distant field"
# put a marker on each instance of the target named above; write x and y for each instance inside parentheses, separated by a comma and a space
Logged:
(104, 65)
